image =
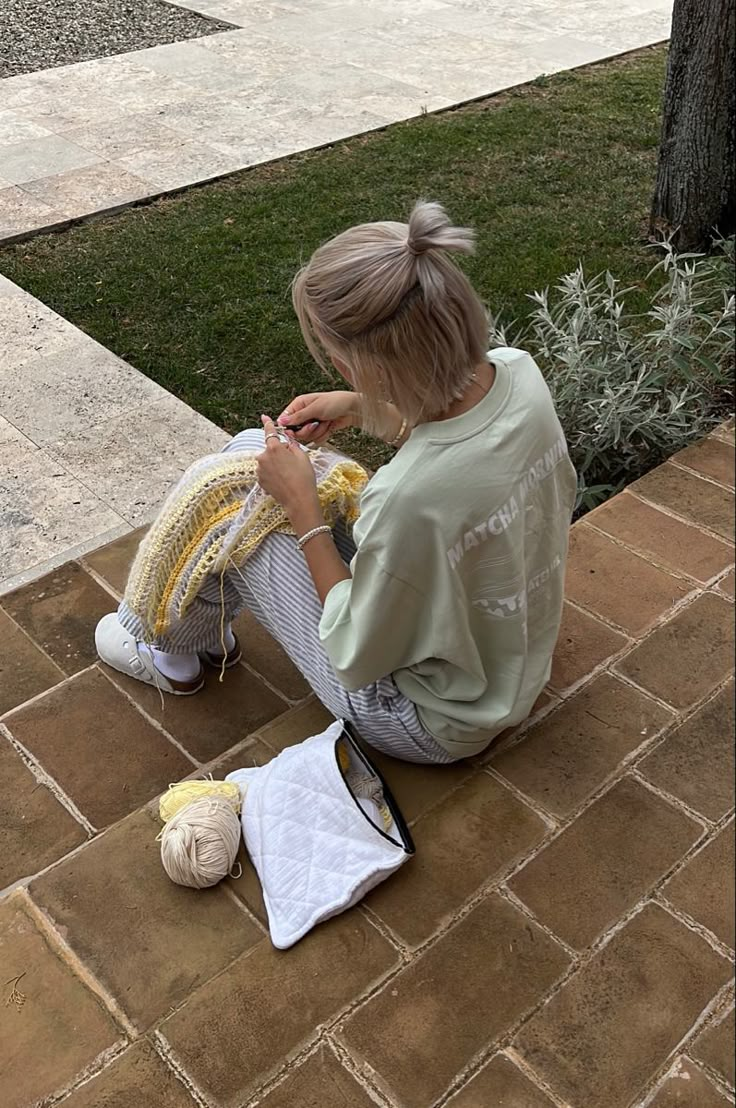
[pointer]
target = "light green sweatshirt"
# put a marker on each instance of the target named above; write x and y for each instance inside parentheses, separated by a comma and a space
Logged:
(457, 584)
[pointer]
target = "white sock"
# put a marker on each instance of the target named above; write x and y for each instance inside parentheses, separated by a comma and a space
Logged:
(229, 638)
(177, 667)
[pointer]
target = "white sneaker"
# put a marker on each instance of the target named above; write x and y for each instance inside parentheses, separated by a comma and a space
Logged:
(119, 650)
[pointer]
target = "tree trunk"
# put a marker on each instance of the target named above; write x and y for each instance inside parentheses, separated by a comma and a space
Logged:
(695, 193)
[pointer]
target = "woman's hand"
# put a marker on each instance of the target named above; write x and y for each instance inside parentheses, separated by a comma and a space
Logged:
(286, 473)
(322, 413)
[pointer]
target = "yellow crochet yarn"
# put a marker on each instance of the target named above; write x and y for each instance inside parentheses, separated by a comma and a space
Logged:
(178, 796)
(215, 518)
(343, 757)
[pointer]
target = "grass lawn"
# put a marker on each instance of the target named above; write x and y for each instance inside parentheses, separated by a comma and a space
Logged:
(194, 290)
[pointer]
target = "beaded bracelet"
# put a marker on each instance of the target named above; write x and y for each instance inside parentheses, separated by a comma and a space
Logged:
(302, 542)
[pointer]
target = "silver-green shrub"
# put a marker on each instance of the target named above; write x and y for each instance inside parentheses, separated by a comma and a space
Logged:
(632, 388)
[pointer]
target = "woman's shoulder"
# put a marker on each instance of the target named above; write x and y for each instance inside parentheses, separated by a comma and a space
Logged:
(390, 501)
(513, 357)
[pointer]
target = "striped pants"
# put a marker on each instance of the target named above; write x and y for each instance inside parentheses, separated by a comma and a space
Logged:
(275, 585)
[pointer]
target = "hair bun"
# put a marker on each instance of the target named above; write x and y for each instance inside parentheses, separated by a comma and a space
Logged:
(430, 229)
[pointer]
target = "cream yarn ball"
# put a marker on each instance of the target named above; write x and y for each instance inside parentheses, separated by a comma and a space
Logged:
(200, 842)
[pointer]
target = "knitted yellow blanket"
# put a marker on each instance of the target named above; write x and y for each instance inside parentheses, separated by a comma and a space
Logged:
(215, 517)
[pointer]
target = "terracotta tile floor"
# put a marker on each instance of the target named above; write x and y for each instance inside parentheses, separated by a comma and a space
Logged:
(564, 936)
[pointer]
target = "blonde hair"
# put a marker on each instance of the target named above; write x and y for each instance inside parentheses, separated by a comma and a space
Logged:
(386, 300)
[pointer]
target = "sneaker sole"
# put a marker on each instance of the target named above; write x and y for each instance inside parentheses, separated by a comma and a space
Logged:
(153, 685)
(214, 662)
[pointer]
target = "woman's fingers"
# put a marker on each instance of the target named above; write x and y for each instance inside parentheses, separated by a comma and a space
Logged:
(307, 432)
(302, 409)
(272, 433)
(292, 413)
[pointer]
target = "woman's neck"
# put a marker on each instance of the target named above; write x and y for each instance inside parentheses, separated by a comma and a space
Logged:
(480, 383)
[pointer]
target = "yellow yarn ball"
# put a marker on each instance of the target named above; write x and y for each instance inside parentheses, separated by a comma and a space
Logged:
(177, 796)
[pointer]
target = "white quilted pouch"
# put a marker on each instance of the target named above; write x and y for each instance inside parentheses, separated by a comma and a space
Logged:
(317, 847)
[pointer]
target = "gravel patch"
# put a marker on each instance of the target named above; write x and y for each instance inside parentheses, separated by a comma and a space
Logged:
(42, 34)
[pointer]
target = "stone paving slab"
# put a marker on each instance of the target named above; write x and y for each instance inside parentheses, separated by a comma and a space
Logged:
(100, 134)
(564, 936)
(88, 445)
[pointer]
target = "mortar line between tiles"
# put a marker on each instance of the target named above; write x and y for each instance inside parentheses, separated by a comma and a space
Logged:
(213, 764)
(652, 558)
(346, 1060)
(104, 1059)
(656, 891)
(564, 823)
(516, 734)
(25, 881)
(703, 476)
(626, 680)
(440, 800)
(694, 925)
(78, 967)
(167, 1056)
(579, 607)
(666, 617)
(532, 1076)
(75, 473)
(31, 640)
(663, 1075)
(265, 681)
(716, 1078)
(334, 1025)
(674, 802)
(44, 778)
(320, 1039)
(290, 711)
(630, 761)
(674, 515)
(489, 888)
(566, 699)
(151, 719)
(504, 1040)
(39, 696)
(280, 1075)
(616, 774)
(388, 933)
(652, 893)
(651, 1087)
(638, 636)
(721, 434)
(551, 822)
(504, 891)
(611, 660)
(587, 524)
(721, 1086)
(307, 1044)
(244, 908)
(97, 577)
(680, 716)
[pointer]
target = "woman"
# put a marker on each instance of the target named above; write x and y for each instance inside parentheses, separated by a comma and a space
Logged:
(432, 627)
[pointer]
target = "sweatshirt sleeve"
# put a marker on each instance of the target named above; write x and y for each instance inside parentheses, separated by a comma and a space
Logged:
(371, 624)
